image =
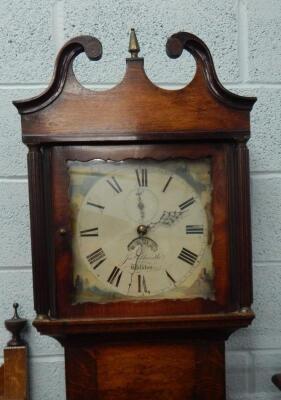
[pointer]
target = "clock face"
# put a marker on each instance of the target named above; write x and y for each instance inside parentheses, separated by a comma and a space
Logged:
(141, 229)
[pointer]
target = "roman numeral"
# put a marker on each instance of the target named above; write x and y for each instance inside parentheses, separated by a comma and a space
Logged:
(187, 256)
(167, 184)
(194, 229)
(115, 276)
(114, 184)
(89, 232)
(96, 258)
(142, 284)
(95, 205)
(186, 203)
(142, 177)
(170, 277)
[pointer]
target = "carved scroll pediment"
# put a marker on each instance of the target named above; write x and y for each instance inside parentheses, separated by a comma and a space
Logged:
(136, 107)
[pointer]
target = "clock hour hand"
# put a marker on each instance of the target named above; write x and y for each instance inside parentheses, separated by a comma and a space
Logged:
(140, 204)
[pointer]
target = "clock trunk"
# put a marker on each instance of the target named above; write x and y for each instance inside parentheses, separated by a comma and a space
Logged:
(140, 369)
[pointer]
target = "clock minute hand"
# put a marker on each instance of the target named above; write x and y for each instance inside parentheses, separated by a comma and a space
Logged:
(167, 218)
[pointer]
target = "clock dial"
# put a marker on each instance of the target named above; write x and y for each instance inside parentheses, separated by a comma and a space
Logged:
(141, 230)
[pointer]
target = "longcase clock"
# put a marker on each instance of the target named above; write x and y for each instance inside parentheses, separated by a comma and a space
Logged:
(140, 225)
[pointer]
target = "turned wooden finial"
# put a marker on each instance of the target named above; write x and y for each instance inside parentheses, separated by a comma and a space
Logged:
(134, 47)
(15, 325)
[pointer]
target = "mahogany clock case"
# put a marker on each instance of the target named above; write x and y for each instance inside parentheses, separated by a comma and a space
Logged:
(177, 351)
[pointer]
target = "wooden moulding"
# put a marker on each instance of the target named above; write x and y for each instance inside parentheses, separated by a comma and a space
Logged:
(37, 224)
(135, 109)
(187, 323)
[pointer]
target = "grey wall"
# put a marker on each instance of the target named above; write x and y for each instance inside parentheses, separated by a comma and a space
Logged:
(244, 38)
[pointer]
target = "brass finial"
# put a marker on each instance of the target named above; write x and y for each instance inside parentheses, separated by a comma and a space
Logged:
(134, 47)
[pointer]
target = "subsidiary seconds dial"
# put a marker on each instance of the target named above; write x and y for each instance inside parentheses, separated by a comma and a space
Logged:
(141, 230)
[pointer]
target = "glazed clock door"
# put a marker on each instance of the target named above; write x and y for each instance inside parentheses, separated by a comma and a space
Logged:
(137, 226)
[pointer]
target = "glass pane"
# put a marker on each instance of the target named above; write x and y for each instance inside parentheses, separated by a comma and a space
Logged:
(141, 230)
